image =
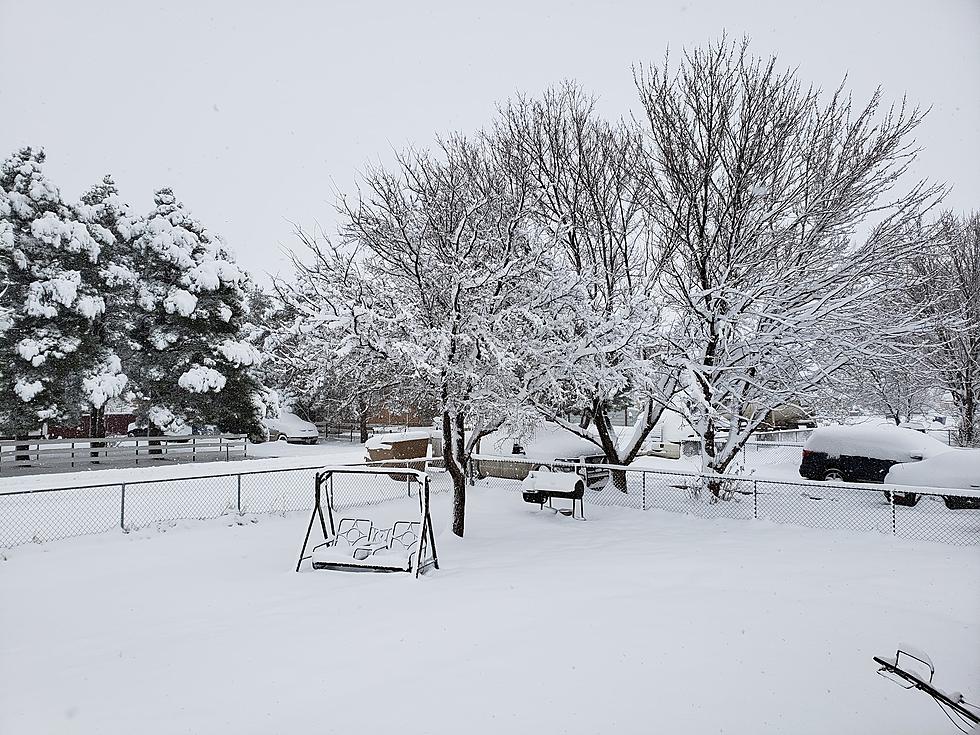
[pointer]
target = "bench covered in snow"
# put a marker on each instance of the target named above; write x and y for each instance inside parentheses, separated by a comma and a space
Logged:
(541, 486)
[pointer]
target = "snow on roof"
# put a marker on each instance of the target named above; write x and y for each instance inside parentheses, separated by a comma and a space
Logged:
(384, 441)
(955, 468)
(878, 442)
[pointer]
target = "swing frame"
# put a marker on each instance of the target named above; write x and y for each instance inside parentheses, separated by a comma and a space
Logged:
(425, 556)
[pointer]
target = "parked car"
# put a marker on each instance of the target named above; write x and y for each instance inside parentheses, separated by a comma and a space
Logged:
(548, 447)
(291, 428)
(957, 469)
(865, 454)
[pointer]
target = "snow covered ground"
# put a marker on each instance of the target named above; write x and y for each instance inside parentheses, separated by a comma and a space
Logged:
(629, 623)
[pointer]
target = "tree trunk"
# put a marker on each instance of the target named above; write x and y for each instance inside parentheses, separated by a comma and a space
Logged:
(452, 454)
(967, 429)
(709, 459)
(362, 413)
(618, 478)
(97, 430)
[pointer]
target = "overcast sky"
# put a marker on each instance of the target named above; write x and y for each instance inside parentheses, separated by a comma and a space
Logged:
(256, 114)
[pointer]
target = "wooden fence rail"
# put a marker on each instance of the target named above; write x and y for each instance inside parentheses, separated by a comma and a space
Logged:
(17, 455)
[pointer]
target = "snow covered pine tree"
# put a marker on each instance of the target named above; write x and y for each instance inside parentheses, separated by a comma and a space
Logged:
(192, 364)
(110, 223)
(46, 333)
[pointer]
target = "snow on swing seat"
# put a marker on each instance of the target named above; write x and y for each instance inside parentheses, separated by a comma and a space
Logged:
(358, 545)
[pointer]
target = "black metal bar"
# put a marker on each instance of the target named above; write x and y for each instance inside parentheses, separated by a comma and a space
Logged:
(306, 539)
(122, 507)
(929, 689)
(239, 493)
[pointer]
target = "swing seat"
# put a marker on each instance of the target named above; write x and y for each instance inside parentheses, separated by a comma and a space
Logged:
(355, 544)
(359, 547)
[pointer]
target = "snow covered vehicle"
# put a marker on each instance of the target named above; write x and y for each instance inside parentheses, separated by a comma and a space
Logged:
(549, 447)
(865, 454)
(956, 469)
(291, 428)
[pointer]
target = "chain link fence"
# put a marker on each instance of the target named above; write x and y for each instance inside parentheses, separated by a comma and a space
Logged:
(947, 516)
(49, 514)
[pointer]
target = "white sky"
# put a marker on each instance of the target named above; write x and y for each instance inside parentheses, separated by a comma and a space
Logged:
(256, 114)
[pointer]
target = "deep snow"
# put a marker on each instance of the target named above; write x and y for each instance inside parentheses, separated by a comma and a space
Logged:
(629, 623)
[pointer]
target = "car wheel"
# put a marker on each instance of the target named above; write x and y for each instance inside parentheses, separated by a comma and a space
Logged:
(906, 499)
(833, 475)
(954, 502)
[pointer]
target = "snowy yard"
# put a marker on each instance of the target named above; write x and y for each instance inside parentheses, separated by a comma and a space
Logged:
(630, 623)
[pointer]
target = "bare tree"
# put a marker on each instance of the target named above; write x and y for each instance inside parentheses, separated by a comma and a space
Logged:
(443, 275)
(755, 186)
(306, 366)
(584, 175)
(898, 389)
(948, 288)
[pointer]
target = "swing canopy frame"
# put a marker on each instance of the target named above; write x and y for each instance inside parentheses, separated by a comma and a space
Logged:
(353, 544)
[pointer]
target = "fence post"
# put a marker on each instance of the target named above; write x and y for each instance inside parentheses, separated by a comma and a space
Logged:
(122, 507)
(891, 501)
(755, 499)
(643, 495)
(239, 493)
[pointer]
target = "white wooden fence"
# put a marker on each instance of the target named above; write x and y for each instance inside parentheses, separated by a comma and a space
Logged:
(24, 455)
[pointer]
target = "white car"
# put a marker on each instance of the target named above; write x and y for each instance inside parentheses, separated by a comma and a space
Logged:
(291, 428)
(957, 469)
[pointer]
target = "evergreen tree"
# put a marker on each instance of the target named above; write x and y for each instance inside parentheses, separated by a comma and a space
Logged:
(110, 223)
(51, 302)
(192, 364)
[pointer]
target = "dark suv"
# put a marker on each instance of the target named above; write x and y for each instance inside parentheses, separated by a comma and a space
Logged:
(865, 454)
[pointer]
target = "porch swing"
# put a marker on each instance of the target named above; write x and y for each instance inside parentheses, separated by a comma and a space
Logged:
(358, 544)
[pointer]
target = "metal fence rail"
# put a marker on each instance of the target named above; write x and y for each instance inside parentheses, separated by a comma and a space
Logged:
(48, 514)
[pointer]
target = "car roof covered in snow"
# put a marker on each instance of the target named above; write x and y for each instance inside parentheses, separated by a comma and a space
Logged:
(289, 422)
(954, 468)
(877, 442)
